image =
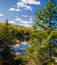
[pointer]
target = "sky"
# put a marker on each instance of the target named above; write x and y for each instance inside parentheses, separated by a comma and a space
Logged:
(20, 12)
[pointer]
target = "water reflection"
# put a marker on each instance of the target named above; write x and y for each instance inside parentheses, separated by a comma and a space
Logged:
(20, 48)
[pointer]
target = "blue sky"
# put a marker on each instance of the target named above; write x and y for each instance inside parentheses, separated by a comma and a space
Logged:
(20, 12)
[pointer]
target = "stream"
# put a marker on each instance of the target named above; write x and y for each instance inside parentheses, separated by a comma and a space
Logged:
(19, 48)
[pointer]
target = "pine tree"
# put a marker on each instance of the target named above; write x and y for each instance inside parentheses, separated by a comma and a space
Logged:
(7, 34)
(7, 37)
(46, 19)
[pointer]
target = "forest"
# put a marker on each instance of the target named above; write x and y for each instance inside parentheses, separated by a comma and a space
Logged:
(42, 38)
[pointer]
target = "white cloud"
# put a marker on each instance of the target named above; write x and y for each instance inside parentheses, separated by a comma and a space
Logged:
(11, 9)
(12, 22)
(17, 19)
(1, 14)
(15, 9)
(34, 2)
(25, 16)
(18, 10)
(23, 5)
(25, 23)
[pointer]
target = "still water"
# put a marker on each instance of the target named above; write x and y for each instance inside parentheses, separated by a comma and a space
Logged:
(20, 48)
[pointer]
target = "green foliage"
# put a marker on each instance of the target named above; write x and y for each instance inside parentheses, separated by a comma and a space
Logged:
(42, 44)
(7, 34)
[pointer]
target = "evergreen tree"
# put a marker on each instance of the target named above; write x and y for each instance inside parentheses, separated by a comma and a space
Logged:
(7, 38)
(45, 19)
(7, 33)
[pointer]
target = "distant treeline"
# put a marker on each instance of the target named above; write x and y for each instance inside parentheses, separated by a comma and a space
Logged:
(21, 32)
(24, 33)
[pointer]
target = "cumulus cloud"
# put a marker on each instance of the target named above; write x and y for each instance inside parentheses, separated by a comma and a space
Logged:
(21, 22)
(14, 9)
(25, 23)
(34, 2)
(18, 19)
(12, 22)
(25, 16)
(25, 4)
(1, 15)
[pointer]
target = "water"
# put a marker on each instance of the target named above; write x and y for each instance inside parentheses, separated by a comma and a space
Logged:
(20, 48)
